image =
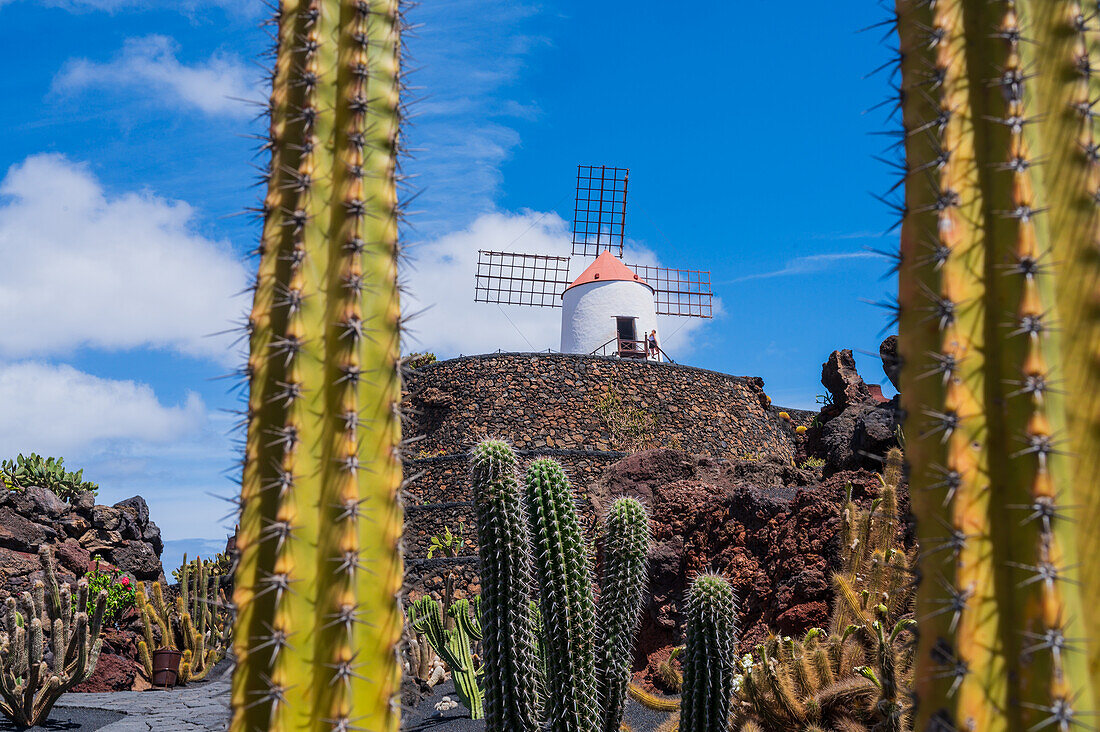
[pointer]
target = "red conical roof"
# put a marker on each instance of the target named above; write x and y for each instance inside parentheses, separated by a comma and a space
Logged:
(607, 268)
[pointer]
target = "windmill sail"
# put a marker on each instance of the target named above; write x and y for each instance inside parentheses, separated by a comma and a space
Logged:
(599, 213)
(510, 278)
(682, 292)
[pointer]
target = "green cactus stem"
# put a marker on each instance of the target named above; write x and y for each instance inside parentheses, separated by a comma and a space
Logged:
(997, 262)
(317, 584)
(564, 575)
(710, 650)
(625, 553)
(454, 645)
(504, 548)
(34, 626)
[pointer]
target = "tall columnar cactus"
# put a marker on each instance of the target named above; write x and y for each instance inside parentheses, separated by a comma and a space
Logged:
(710, 651)
(567, 606)
(999, 334)
(48, 644)
(623, 580)
(318, 619)
(504, 548)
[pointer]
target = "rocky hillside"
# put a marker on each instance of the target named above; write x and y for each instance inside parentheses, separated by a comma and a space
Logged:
(771, 526)
(122, 535)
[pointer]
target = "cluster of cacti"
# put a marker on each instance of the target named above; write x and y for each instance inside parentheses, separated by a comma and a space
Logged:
(319, 572)
(859, 674)
(49, 643)
(454, 645)
(585, 651)
(49, 473)
(999, 338)
(197, 624)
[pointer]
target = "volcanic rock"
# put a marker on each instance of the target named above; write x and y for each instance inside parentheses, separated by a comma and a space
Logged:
(770, 527)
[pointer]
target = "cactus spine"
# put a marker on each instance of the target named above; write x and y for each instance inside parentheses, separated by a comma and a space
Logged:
(504, 547)
(48, 645)
(999, 230)
(318, 619)
(626, 551)
(710, 650)
(567, 607)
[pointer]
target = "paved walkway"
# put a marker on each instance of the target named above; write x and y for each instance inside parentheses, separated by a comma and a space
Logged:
(196, 708)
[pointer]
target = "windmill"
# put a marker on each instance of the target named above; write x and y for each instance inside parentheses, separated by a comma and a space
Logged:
(609, 307)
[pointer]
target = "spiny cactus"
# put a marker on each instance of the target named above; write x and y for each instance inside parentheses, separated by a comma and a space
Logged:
(197, 624)
(316, 587)
(710, 650)
(581, 667)
(999, 338)
(454, 645)
(622, 585)
(859, 675)
(48, 645)
(504, 547)
(564, 575)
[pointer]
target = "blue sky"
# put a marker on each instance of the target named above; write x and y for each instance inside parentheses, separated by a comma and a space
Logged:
(126, 158)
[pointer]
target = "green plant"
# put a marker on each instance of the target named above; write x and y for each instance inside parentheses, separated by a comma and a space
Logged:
(49, 643)
(454, 645)
(998, 338)
(50, 473)
(622, 584)
(197, 624)
(319, 574)
(812, 463)
(119, 589)
(857, 675)
(668, 677)
(450, 544)
(582, 665)
(568, 610)
(504, 547)
(630, 428)
(418, 360)
(710, 648)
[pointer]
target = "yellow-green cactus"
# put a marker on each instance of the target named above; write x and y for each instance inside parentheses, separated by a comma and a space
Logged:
(999, 339)
(316, 587)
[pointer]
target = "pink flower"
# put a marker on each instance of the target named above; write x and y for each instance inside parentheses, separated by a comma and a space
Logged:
(125, 582)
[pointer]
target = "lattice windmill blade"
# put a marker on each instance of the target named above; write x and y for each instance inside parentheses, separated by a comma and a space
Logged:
(681, 292)
(599, 212)
(510, 278)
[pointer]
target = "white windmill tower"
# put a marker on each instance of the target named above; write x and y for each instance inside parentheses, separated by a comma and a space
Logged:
(611, 307)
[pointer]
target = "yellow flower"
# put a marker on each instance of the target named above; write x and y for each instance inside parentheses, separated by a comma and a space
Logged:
(800, 429)
(784, 415)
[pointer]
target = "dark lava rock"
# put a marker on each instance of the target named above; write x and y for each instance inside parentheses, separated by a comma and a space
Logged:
(770, 527)
(840, 377)
(137, 558)
(856, 430)
(891, 360)
(112, 673)
(137, 508)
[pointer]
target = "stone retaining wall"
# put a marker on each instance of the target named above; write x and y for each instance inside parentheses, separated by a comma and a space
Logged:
(546, 405)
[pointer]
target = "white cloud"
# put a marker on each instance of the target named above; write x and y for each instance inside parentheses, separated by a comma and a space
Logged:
(809, 265)
(81, 268)
(56, 410)
(149, 65)
(441, 282)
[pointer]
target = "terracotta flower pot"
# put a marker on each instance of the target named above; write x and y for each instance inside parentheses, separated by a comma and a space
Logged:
(166, 667)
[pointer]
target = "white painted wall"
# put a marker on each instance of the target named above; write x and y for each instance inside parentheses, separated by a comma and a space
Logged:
(589, 311)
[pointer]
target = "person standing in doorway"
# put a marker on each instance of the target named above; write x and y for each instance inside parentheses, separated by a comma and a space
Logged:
(651, 345)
